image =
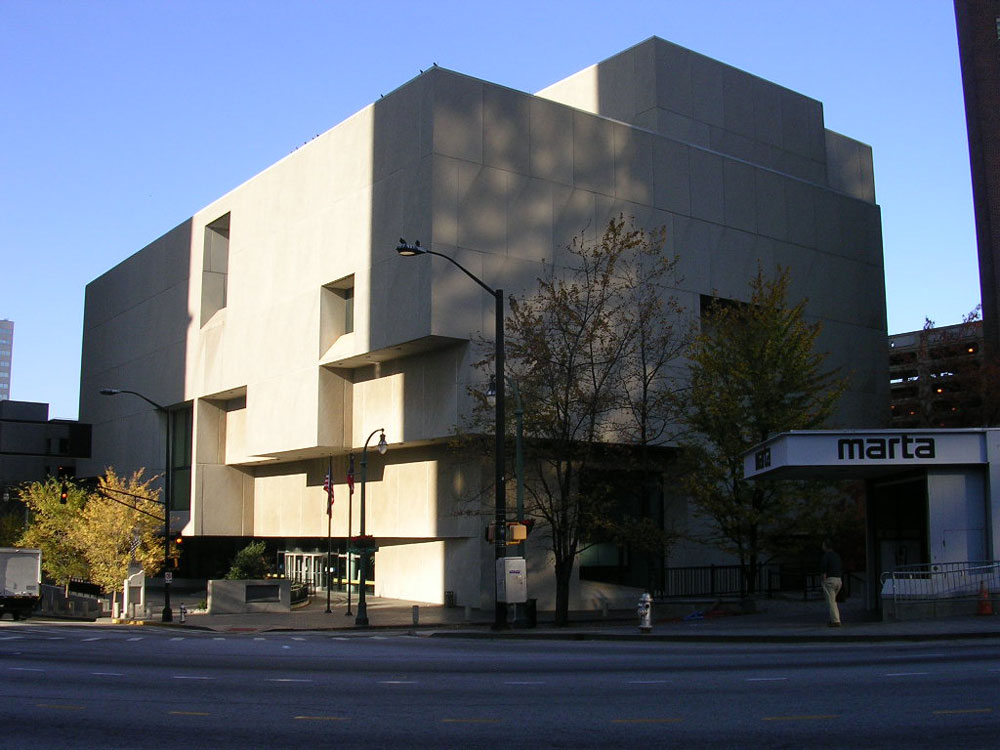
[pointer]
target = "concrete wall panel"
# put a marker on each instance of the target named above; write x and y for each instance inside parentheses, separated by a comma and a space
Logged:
(707, 186)
(506, 118)
(671, 181)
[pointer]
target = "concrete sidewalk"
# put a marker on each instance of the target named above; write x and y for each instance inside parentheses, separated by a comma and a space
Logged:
(775, 620)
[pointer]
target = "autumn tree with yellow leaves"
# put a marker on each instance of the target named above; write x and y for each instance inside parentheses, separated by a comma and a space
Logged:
(122, 521)
(95, 535)
(51, 525)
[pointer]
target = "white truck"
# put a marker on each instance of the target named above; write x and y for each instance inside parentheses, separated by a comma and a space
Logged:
(21, 577)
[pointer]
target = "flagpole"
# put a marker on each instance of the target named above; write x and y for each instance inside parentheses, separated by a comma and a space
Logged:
(329, 530)
(350, 508)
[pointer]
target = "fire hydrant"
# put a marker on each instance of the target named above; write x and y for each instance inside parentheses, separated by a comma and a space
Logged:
(645, 612)
(183, 613)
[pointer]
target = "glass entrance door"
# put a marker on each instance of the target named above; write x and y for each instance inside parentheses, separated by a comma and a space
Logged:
(306, 567)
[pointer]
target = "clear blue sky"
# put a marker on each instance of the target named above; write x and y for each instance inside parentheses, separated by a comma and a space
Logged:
(121, 118)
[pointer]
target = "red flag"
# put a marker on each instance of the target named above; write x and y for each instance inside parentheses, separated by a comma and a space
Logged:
(350, 475)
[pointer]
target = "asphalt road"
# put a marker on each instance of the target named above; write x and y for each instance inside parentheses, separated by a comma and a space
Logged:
(84, 687)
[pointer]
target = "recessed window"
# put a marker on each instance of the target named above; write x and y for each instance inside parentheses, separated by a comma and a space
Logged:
(337, 311)
(181, 421)
(348, 297)
(215, 268)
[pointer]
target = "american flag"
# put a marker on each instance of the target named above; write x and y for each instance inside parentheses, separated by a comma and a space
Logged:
(350, 475)
(328, 487)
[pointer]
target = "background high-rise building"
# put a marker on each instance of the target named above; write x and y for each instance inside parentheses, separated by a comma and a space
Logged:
(6, 353)
(978, 24)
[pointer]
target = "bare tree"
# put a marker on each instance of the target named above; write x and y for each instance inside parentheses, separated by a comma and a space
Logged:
(592, 351)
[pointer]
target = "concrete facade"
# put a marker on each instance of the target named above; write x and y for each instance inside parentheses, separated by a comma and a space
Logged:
(282, 321)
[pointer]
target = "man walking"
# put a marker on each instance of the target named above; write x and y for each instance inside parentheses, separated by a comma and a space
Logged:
(832, 568)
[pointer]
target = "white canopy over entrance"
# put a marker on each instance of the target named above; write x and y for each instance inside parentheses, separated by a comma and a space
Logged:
(950, 501)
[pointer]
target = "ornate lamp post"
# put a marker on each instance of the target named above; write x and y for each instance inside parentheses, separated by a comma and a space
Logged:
(168, 613)
(500, 498)
(362, 619)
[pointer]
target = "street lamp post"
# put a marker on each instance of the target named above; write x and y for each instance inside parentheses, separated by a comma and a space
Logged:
(168, 613)
(362, 619)
(500, 499)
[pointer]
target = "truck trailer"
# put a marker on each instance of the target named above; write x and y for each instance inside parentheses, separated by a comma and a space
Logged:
(21, 576)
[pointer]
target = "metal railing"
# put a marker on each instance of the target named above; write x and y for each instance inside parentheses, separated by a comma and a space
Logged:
(934, 581)
(717, 580)
(300, 591)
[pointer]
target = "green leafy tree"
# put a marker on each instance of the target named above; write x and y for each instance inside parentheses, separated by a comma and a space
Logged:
(592, 350)
(249, 562)
(754, 373)
(51, 528)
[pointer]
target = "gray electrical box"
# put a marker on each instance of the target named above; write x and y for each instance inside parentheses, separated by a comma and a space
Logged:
(512, 580)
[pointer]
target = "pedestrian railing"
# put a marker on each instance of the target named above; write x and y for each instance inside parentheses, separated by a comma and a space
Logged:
(933, 581)
(300, 591)
(717, 580)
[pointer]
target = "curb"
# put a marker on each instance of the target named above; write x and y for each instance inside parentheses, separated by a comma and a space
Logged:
(577, 635)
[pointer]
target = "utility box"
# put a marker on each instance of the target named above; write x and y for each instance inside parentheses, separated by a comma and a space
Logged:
(134, 601)
(512, 580)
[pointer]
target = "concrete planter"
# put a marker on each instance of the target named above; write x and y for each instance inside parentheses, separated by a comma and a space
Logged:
(250, 595)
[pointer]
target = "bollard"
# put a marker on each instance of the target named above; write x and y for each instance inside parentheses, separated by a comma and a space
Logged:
(645, 612)
(416, 615)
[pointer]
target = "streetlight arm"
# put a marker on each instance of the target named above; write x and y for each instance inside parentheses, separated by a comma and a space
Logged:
(407, 249)
(374, 433)
(500, 499)
(116, 391)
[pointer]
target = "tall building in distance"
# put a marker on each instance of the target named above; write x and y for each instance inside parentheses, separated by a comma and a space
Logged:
(936, 378)
(6, 355)
(978, 25)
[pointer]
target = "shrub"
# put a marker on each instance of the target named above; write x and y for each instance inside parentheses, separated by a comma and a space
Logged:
(249, 562)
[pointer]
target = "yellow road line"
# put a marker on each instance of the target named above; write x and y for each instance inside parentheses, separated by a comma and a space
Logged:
(802, 717)
(321, 718)
(59, 705)
(470, 721)
(948, 712)
(646, 721)
(189, 713)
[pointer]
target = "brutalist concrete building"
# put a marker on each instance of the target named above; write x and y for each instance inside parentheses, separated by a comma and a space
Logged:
(279, 328)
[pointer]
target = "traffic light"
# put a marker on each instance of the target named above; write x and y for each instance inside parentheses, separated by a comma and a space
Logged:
(176, 555)
(64, 493)
(517, 532)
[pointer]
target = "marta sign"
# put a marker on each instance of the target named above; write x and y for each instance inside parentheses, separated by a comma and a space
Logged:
(946, 482)
(795, 453)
